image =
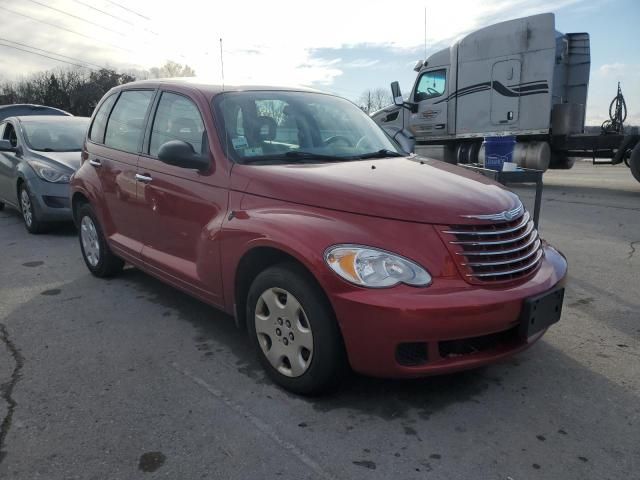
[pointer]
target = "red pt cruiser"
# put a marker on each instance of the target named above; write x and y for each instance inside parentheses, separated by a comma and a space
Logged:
(293, 211)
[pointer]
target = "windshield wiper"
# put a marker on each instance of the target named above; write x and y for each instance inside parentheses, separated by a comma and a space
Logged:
(384, 153)
(294, 154)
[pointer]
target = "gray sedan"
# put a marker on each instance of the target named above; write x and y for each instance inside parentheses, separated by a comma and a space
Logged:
(38, 155)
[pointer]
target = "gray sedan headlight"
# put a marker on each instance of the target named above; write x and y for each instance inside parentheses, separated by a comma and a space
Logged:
(375, 268)
(49, 173)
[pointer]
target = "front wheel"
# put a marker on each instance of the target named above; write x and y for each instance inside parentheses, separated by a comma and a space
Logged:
(294, 331)
(30, 217)
(634, 162)
(96, 253)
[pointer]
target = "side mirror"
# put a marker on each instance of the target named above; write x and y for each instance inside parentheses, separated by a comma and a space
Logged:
(5, 146)
(396, 93)
(181, 154)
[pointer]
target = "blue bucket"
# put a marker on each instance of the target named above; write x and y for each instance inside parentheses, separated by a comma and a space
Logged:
(497, 151)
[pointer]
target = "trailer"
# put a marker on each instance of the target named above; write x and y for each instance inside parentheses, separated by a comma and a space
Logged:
(519, 78)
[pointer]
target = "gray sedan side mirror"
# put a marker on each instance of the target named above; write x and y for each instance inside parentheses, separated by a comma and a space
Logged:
(5, 146)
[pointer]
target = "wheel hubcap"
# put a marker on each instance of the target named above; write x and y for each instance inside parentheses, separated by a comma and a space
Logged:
(25, 204)
(89, 238)
(284, 332)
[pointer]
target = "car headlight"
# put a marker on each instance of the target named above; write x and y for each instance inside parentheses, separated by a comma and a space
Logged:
(49, 173)
(375, 268)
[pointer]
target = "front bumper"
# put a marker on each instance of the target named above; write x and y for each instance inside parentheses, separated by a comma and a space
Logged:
(51, 201)
(449, 319)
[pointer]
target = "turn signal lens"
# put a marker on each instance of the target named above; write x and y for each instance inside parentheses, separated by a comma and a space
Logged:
(374, 268)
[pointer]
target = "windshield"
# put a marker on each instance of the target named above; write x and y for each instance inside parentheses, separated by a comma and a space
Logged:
(293, 127)
(55, 136)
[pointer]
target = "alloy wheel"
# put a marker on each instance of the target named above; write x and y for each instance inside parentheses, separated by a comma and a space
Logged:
(25, 205)
(90, 243)
(284, 332)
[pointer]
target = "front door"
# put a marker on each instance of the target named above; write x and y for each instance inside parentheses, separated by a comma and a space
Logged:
(430, 94)
(184, 208)
(8, 164)
(114, 144)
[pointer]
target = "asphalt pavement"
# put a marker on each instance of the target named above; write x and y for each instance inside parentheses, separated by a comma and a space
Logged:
(130, 379)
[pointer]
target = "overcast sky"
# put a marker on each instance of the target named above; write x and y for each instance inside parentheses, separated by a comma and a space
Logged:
(341, 46)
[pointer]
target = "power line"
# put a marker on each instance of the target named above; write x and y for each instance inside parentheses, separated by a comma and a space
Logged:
(45, 56)
(96, 39)
(76, 17)
(117, 17)
(103, 12)
(128, 10)
(53, 53)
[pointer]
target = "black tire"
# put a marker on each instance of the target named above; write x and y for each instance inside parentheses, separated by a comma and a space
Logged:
(634, 162)
(1, 206)
(561, 162)
(30, 216)
(328, 363)
(107, 264)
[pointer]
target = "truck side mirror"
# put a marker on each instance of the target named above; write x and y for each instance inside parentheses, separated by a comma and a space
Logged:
(396, 93)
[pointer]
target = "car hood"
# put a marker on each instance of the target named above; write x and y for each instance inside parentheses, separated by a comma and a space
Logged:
(413, 188)
(70, 160)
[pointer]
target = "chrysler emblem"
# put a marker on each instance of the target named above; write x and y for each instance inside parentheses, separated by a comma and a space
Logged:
(505, 216)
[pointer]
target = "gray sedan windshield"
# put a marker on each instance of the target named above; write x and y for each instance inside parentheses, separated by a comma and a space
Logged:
(55, 135)
(295, 127)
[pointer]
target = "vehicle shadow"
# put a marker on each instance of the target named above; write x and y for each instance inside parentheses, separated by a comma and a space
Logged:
(426, 395)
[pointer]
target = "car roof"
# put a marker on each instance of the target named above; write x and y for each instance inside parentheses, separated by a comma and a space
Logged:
(211, 89)
(33, 106)
(50, 119)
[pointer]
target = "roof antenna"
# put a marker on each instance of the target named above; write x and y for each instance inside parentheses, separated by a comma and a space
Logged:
(425, 33)
(222, 62)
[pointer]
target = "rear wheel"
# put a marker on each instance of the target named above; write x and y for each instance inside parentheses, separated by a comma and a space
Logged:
(634, 162)
(97, 255)
(294, 331)
(561, 161)
(31, 221)
(1, 206)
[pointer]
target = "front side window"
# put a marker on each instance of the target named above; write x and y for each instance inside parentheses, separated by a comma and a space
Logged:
(126, 123)
(431, 84)
(55, 136)
(287, 126)
(100, 120)
(10, 134)
(177, 118)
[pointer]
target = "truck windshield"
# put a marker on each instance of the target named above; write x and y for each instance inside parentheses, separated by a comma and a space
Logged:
(297, 127)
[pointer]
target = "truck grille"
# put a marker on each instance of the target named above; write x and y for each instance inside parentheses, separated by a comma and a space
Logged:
(495, 252)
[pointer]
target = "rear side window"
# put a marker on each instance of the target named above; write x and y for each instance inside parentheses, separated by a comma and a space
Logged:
(177, 118)
(100, 121)
(126, 123)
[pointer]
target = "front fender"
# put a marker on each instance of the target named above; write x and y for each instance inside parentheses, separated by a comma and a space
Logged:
(305, 232)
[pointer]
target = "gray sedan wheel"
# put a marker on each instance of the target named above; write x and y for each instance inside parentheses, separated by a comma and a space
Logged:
(29, 215)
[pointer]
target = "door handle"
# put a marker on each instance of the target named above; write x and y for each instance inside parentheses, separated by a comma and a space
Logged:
(95, 162)
(143, 178)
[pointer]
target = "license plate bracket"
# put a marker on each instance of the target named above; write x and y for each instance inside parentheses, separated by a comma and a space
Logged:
(540, 312)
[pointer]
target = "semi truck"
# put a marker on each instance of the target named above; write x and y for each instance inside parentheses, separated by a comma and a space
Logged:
(518, 78)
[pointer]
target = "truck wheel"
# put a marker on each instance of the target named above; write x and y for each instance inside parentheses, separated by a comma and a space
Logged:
(97, 255)
(294, 331)
(634, 162)
(1, 206)
(561, 162)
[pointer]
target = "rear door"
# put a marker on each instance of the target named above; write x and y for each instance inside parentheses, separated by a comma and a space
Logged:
(115, 140)
(183, 208)
(505, 92)
(430, 94)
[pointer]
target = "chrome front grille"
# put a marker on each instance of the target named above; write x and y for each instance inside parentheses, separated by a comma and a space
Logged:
(495, 252)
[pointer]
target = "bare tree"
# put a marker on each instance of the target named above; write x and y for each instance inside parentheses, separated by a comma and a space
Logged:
(374, 99)
(172, 69)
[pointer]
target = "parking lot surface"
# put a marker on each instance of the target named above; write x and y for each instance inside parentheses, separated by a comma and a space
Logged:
(129, 378)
